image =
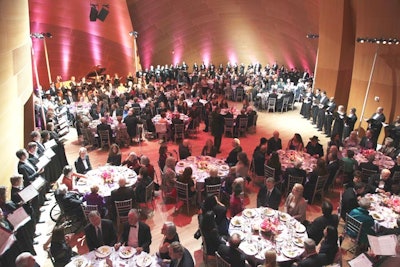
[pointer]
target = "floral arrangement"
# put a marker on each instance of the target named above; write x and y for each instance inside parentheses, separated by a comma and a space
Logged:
(393, 203)
(269, 226)
(107, 177)
(202, 165)
(368, 152)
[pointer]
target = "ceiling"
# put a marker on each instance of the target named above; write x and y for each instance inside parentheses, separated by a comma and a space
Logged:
(172, 31)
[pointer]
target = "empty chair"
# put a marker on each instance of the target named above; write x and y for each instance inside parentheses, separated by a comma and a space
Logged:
(239, 94)
(229, 126)
(285, 104)
(122, 208)
(269, 171)
(194, 127)
(122, 137)
(242, 127)
(179, 131)
(89, 138)
(161, 130)
(319, 187)
(104, 136)
(213, 190)
(353, 231)
(271, 104)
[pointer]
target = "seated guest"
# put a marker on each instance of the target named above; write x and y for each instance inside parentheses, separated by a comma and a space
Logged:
(82, 164)
(259, 160)
(231, 160)
(361, 214)
(186, 178)
(145, 162)
(114, 155)
(319, 170)
(388, 149)
(213, 179)
(99, 232)
(103, 126)
(69, 201)
(135, 233)
(210, 232)
(329, 244)
(274, 143)
(349, 165)
(311, 257)
(295, 203)
(263, 141)
(132, 162)
(120, 194)
(296, 143)
(356, 179)
(180, 256)
(270, 259)
(185, 150)
(275, 163)
(295, 171)
(168, 230)
(315, 230)
(332, 168)
(69, 177)
(59, 248)
(209, 149)
(396, 167)
(143, 180)
(170, 163)
(242, 166)
(369, 165)
(269, 195)
(242, 115)
(211, 203)
(236, 202)
(229, 180)
(352, 140)
(380, 183)
(314, 148)
(231, 253)
(93, 198)
(350, 198)
(367, 141)
(175, 121)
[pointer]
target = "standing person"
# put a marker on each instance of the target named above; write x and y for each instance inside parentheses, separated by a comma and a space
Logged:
(349, 122)
(338, 124)
(217, 127)
(375, 123)
(131, 122)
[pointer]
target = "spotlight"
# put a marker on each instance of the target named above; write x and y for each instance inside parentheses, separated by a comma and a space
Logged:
(396, 42)
(312, 36)
(93, 12)
(103, 13)
(47, 35)
(360, 40)
(134, 33)
(384, 41)
(390, 41)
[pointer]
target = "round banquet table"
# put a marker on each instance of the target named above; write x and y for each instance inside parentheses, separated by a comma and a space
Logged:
(382, 161)
(97, 259)
(286, 237)
(169, 117)
(385, 210)
(94, 123)
(201, 166)
(289, 157)
(106, 177)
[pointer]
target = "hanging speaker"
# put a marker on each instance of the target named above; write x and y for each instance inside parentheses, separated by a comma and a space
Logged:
(93, 13)
(103, 14)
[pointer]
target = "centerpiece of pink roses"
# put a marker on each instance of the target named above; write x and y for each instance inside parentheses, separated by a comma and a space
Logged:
(107, 177)
(393, 203)
(269, 226)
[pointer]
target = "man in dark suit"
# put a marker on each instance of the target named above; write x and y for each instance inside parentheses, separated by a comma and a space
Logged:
(269, 195)
(323, 104)
(380, 183)
(28, 171)
(120, 194)
(369, 165)
(332, 168)
(136, 233)
(375, 122)
(314, 148)
(274, 143)
(312, 258)
(99, 232)
(350, 198)
(103, 126)
(180, 256)
(131, 123)
(82, 164)
(296, 171)
(259, 160)
(315, 230)
(35, 135)
(217, 127)
(368, 141)
(231, 253)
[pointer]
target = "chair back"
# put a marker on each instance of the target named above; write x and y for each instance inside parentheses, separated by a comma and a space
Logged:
(271, 104)
(149, 192)
(88, 137)
(293, 180)
(182, 190)
(353, 227)
(104, 136)
(122, 208)
(366, 173)
(220, 261)
(87, 209)
(320, 186)
(229, 126)
(160, 127)
(285, 104)
(269, 171)
(179, 131)
(243, 125)
(214, 189)
(396, 177)
(239, 94)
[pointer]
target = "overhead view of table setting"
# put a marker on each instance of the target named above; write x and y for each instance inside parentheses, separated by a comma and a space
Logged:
(382, 161)
(289, 157)
(263, 229)
(384, 209)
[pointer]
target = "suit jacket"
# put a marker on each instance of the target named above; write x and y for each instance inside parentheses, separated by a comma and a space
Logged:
(273, 201)
(105, 127)
(369, 166)
(316, 260)
(108, 232)
(349, 202)
(295, 172)
(144, 235)
(315, 230)
(217, 124)
(184, 152)
(313, 150)
(232, 256)
(29, 175)
(80, 168)
(373, 184)
(274, 145)
(186, 261)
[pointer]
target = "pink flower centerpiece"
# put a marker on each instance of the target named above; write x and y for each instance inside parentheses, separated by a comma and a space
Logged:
(107, 177)
(368, 152)
(393, 203)
(269, 226)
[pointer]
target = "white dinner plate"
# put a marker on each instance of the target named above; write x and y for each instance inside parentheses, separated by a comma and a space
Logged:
(248, 248)
(103, 252)
(300, 228)
(126, 252)
(78, 262)
(144, 260)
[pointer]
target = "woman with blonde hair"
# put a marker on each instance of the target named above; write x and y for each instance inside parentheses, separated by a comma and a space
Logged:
(295, 204)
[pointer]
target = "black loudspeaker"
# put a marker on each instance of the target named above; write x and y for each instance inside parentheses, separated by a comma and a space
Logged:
(93, 13)
(102, 14)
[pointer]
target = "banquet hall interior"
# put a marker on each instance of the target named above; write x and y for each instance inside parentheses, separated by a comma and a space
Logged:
(347, 48)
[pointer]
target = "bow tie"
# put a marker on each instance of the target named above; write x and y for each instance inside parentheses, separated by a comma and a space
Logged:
(134, 226)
